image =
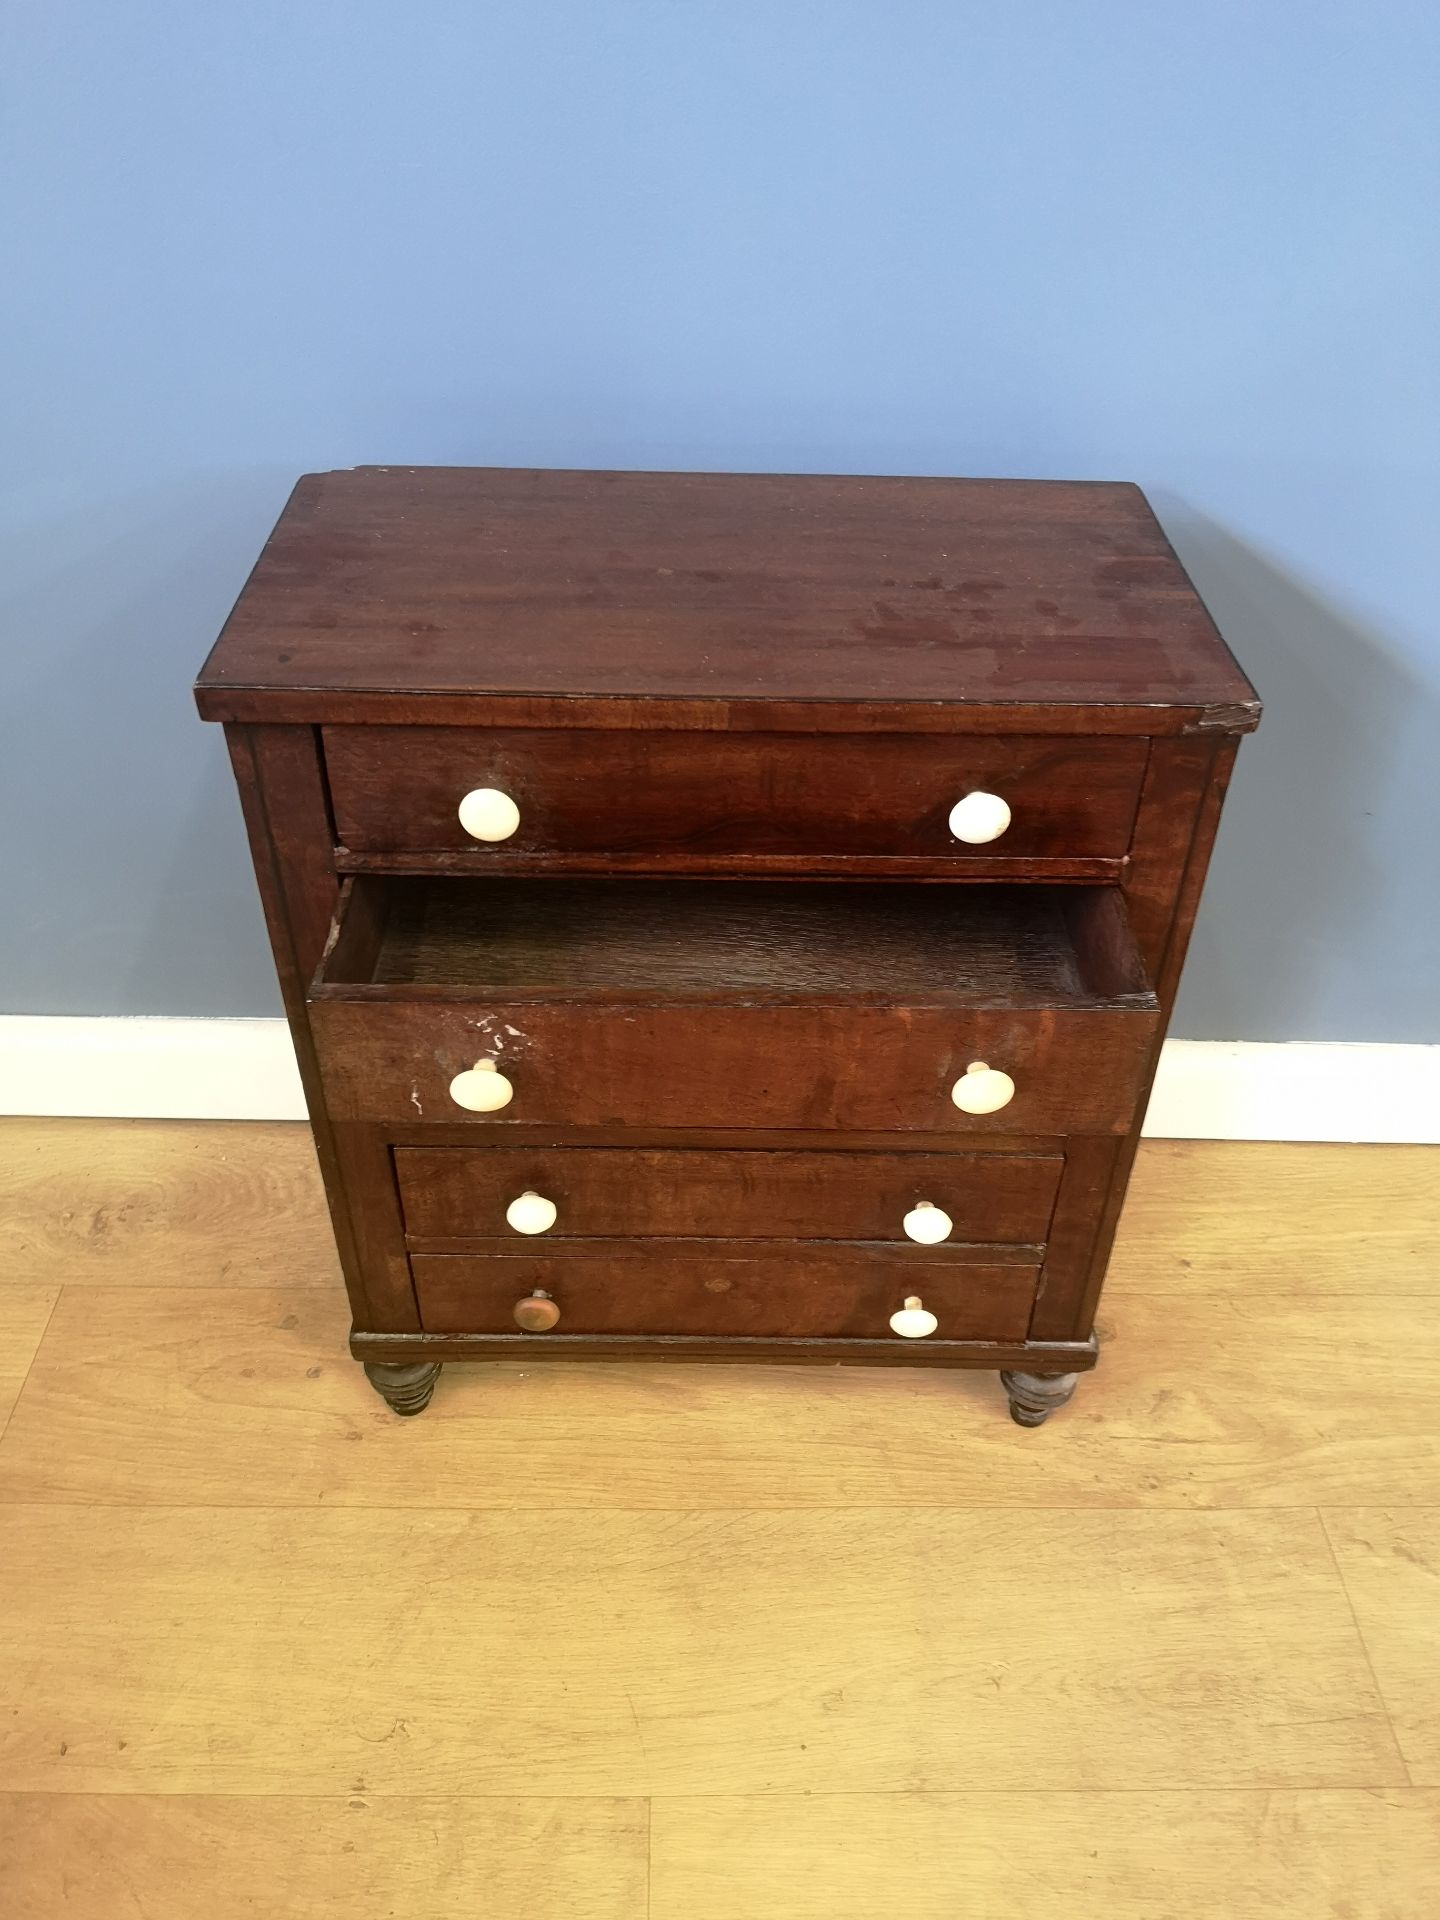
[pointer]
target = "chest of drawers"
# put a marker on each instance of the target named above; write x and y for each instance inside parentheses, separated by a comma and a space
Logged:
(725, 917)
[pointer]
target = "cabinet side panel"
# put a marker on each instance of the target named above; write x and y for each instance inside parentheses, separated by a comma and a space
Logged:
(1174, 832)
(282, 793)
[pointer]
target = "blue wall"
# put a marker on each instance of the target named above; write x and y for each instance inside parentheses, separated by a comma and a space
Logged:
(1195, 246)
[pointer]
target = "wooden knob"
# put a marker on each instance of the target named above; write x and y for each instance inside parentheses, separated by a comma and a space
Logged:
(979, 817)
(488, 814)
(536, 1313)
(531, 1213)
(928, 1224)
(914, 1320)
(481, 1088)
(982, 1089)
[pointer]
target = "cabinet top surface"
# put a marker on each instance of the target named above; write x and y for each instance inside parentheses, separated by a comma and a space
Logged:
(677, 598)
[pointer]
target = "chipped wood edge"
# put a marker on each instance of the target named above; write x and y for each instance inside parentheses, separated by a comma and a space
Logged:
(158, 1068)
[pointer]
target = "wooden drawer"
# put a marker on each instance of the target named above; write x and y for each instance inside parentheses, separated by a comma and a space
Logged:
(775, 1290)
(678, 798)
(695, 1004)
(454, 1193)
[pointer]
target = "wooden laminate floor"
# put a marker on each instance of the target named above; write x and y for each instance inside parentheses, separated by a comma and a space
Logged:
(632, 1642)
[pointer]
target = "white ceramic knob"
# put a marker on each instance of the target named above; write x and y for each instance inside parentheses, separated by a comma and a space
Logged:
(914, 1320)
(928, 1224)
(531, 1213)
(979, 817)
(489, 814)
(481, 1088)
(982, 1089)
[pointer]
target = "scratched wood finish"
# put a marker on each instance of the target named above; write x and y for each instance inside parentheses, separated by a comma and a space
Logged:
(686, 592)
(816, 1007)
(781, 684)
(448, 1193)
(778, 1290)
(653, 795)
(817, 1068)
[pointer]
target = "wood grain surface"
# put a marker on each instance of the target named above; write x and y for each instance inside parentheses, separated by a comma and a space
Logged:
(822, 1290)
(1390, 1560)
(819, 1069)
(858, 1651)
(673, 795)
(671, 592)
(655, 1641)
(1226, 1216)
(217, 1398)
(155, 1203)
(343, 1857)
(24, 1314)
(744, 940)
(452, 1193)
(1192, 1855)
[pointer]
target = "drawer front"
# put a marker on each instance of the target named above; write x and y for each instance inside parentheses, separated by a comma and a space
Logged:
(673, 796)
(452, 1193)
(790, 1290)
(866, 1069)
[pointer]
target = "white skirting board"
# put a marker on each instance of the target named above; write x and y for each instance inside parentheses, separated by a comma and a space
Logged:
(245, 1070)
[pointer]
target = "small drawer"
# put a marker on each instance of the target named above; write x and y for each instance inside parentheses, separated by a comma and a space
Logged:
(775, 1291)
(742, 1004)
(455, 1193)
(703, 798)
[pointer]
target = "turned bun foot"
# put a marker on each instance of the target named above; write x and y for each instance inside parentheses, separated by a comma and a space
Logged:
(1035, 1396)
(404, 1390)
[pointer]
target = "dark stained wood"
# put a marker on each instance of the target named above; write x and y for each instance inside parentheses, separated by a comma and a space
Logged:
(437, 1133)
(752, 942)
(716, 1065)
(1179, 811)
(777, 1290)
(1084, 1187)
(798, 867)
(668, 795)
(282, 793)
(301, 706)
(404, 1348)
(1208, 794)
(732, 960)
(405, 1389)
(1177, 775)
(702, 1004)
(1034, 1397)
(696, 589)
(616, 1193)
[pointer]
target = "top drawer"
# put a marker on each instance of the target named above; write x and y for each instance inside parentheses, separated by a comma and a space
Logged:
(702, 800)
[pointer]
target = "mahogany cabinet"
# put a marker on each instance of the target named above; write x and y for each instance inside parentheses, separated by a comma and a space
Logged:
(721, 916)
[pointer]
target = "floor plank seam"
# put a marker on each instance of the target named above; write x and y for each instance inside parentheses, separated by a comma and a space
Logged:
(1365, 1648)
(1189, 1789)
(30, 1366)
(1079, 1509)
